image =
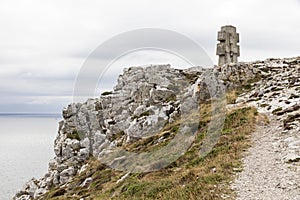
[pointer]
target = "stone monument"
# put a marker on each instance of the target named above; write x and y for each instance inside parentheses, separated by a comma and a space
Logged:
(228, 49)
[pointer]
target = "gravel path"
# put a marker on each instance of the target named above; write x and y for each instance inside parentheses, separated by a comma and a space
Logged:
(266, 173)
(272, 164)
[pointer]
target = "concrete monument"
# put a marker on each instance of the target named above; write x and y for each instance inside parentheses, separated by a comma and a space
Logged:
(228, 49)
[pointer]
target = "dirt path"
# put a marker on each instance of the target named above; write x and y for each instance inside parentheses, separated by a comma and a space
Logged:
(267, 175)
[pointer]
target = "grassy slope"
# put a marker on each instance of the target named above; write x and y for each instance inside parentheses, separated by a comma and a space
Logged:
(190, 177)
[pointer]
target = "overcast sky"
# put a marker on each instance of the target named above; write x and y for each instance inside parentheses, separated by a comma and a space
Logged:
(44, 43)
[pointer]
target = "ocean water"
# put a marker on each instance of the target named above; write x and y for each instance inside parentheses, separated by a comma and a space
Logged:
(26, 145)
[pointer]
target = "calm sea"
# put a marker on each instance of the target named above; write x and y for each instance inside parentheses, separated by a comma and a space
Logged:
(26, 145)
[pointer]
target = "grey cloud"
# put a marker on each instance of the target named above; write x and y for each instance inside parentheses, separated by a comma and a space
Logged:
(44, 43)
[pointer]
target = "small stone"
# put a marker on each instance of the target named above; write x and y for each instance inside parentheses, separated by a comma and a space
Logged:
(83, 168)
(74, 144)
(68, 172)
(39, 192)
(23, 197)
(63, 179)
(56, 178)
(294, 145)
(83, 154)
(61, 167)
(31, 187)
(67, 152)
(292, 157)
(86, 182)
(53, 164)
(57, 150)
(85, 143)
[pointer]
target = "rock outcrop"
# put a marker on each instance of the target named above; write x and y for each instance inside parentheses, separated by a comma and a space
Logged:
(146, 99)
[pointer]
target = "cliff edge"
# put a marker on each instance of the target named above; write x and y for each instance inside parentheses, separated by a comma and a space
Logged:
(144, 104)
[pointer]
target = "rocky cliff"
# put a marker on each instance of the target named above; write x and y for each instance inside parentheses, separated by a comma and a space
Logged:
(148, 99)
